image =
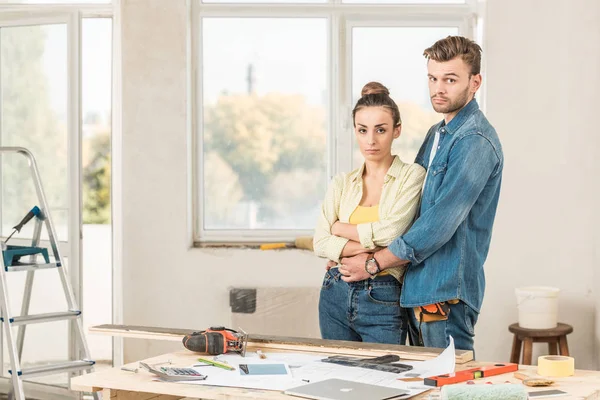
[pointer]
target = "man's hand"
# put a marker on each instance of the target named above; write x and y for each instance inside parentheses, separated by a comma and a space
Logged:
(330, 264)
(353, 268)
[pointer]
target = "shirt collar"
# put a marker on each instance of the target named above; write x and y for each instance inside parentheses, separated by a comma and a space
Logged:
(461, 117)
(392, 172)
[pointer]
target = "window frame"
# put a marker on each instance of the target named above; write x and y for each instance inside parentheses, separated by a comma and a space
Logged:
(341, 18)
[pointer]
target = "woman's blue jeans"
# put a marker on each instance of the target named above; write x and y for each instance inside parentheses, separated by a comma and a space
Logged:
(366, 311)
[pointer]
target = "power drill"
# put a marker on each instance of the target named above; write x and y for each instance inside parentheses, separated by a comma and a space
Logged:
(217, 340)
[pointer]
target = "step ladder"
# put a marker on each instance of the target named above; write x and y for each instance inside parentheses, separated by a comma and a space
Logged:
(14, 263)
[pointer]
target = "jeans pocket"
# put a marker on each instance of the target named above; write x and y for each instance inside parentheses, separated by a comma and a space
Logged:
(386, 295)
(327, 280)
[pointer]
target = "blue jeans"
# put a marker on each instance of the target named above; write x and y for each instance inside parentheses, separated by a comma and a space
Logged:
(366, 311)
(460, 325)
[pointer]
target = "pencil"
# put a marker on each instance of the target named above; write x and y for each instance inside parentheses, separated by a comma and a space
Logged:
(216, 364)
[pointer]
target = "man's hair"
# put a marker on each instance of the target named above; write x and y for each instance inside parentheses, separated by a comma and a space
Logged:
(454, 46)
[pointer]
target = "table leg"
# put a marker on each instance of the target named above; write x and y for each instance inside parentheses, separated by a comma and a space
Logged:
(552, 348)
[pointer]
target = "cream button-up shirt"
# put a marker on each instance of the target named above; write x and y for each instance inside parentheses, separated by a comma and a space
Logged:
(398, 206)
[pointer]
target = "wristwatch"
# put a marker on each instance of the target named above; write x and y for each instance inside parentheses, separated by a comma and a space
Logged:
(372, 266)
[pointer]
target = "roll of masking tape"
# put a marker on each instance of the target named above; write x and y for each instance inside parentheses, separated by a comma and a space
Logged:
(557, 366)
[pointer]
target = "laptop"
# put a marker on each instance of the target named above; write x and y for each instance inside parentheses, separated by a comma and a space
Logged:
(339, 389)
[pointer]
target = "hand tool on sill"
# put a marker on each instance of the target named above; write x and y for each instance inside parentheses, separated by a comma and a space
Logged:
(302, 242)
(471, 374)
(217, 340)
(383, 363)
(533, 381)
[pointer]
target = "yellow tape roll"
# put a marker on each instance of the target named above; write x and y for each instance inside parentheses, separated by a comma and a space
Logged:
(557, 366)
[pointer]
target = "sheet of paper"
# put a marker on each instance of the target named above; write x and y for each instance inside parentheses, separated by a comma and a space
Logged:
(222, 377)
(445, 363)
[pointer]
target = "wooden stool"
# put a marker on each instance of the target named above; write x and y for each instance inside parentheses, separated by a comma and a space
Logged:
(555, 337)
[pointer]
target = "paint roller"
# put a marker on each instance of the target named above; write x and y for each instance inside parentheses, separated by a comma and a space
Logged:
(504, 391)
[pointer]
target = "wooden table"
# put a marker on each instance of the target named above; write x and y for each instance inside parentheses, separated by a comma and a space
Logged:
(117, 384)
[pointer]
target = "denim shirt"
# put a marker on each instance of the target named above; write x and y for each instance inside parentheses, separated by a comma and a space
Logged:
(448, 243)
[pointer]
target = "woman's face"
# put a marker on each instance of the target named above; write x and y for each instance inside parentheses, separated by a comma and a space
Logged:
(375, 132)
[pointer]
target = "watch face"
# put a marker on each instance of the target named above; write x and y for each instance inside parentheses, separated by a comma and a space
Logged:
(372, 267)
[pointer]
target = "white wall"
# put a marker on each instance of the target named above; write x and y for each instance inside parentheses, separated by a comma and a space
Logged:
(542, 67)
(543, 60)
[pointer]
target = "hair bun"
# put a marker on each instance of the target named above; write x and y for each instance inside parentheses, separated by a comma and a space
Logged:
(374, 88)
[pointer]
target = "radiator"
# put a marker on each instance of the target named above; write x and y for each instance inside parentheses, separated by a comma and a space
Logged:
(291, 311)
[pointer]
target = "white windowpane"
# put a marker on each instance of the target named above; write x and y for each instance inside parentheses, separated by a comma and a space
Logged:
(264, 122)
(393, 56)
(96, 77)
(33, 85)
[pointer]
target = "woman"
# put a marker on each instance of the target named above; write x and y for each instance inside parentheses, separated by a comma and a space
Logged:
(362, 212)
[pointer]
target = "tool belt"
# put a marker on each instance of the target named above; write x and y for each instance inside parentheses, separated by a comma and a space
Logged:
(434, 312)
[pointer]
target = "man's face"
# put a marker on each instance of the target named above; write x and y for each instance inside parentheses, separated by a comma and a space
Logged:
(451, 85)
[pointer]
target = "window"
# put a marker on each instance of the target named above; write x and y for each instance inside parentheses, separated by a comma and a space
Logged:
(33, 84)
(275, 86)
(264, 122)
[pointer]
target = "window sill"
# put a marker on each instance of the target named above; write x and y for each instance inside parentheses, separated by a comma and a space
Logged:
(301, 244)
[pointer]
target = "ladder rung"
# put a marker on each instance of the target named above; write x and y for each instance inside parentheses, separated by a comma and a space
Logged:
(30, 267)
(56, 368)
(48, 317)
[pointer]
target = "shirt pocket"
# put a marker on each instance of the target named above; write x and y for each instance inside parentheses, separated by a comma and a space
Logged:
(436, 174)
(438, 169)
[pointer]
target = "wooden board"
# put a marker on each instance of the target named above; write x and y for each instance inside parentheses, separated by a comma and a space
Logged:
(288, 343)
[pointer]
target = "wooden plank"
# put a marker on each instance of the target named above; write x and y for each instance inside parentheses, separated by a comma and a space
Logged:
(287, 343)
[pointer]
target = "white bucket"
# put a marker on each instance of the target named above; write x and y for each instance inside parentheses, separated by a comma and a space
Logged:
(538, 307)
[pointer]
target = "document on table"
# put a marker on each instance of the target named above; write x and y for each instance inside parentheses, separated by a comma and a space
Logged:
(238, 378)
(307, 368)
(445, 363)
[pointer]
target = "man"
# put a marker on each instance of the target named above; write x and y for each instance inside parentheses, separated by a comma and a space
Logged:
(446, 247)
